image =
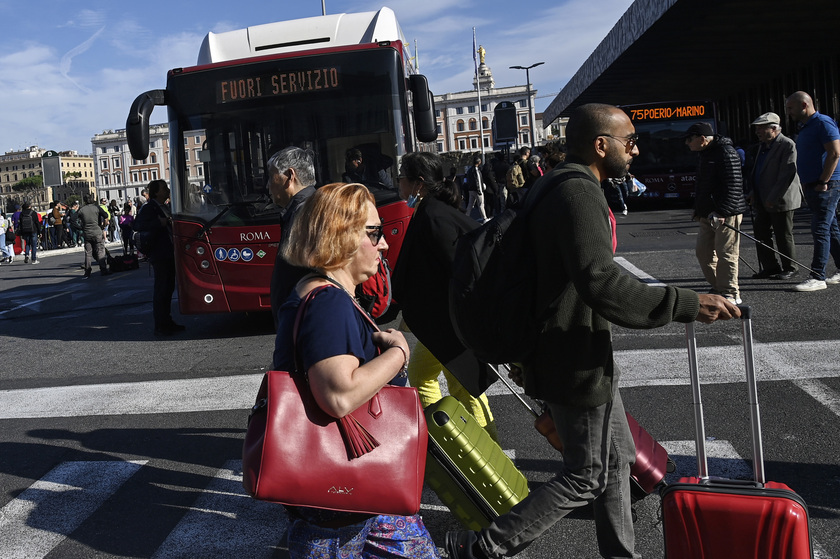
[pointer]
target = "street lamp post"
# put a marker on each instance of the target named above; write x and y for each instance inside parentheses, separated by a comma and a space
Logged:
(530, 109)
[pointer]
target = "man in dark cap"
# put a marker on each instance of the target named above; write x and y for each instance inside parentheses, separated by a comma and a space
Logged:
(719, 201)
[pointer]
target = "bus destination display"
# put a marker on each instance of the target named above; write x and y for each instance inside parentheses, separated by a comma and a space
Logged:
(277, 84)
(668, 111)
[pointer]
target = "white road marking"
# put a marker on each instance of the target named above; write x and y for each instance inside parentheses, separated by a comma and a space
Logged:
(642, 275)
(35, 522)
(165, 396)
(226, 522)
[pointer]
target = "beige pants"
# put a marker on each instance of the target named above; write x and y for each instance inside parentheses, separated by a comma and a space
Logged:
(717, 252)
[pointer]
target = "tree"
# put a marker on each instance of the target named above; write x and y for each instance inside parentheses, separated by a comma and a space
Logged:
(29, 184)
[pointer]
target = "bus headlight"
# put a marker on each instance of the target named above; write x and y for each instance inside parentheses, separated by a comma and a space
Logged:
(208, 298)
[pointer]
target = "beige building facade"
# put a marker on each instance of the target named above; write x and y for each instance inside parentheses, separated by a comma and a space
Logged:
(466, 125)
(16, 166)
(119, 176)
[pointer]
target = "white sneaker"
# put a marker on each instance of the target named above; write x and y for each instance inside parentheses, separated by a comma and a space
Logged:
(810, 284)
(833, 280)
(735, 300)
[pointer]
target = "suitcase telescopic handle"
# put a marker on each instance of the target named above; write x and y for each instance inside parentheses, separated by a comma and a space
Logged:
(752, 389)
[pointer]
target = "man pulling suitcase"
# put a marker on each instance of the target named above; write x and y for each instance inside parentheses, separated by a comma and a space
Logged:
(572, 367)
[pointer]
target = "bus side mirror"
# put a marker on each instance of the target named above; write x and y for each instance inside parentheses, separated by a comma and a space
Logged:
(137, 123)
(424, 108)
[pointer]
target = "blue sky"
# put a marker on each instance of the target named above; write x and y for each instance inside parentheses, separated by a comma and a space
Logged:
(71, 69)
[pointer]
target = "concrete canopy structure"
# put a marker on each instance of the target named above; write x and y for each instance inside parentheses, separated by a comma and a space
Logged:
(746, 55)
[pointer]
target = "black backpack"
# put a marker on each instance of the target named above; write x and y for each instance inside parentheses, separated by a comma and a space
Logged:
(26, 222)
(492, 293)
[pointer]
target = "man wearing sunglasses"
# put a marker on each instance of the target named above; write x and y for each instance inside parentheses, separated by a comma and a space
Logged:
(572, 368)
(718, 207)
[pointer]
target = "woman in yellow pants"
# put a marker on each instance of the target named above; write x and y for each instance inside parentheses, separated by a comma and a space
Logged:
(421, 286)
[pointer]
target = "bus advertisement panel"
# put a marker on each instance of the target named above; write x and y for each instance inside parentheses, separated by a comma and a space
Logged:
(665, 165)
(362, 95)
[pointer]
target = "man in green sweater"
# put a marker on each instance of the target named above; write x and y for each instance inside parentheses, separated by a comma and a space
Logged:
(572, 368)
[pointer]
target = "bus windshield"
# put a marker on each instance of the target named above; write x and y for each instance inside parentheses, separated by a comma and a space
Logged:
(240, 115)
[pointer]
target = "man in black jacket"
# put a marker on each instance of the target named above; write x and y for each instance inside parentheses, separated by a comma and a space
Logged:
(155, 217)
(28, 230)
(291, 173)
(719, 200)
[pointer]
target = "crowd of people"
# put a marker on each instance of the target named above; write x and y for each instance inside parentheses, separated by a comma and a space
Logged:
(60, 227)
(333, 241)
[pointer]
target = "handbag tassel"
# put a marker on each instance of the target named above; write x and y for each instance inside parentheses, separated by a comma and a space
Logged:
(356, 438)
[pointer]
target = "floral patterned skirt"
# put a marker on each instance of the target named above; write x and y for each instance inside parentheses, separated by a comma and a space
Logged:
(383, 536)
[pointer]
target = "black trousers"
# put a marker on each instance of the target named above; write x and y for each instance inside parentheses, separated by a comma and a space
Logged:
(779, 224)
(164, 270)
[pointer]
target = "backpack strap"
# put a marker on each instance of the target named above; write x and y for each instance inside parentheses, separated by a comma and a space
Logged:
(543, 187)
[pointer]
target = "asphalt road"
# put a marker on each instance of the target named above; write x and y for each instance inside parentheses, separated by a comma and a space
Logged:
(116, 444)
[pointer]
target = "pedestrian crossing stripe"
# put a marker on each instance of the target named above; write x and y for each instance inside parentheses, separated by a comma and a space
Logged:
(223, 521)
(41, 517)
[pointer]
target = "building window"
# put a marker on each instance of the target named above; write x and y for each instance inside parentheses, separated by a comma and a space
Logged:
(473, 143)
(440, 147)
(103, 163)
(437, 113)
(523, 103)
(523, 120)
(198, 140)
(462, 144)
(154, 174)
(525, 138)
(153, 157)
(486, 142)
(459, 110)
(116, 149)
(186, 141)
(186, 155)
(105, 180)
(459, 126)
(145, 176)
(135, 177)
(472, 108)
(199, 171)
(116, 164)
(484, 108)
(117, 179)
(473, 124)
(438, 129)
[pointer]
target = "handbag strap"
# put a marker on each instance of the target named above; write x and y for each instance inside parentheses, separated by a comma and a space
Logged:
(357, 439)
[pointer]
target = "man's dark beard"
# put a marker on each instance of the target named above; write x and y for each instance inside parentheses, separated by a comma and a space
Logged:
(615, 165)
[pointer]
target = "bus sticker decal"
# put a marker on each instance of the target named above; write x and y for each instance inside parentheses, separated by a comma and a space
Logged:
(247, 254)
(233, 254)
(220, 254)
(262, 253)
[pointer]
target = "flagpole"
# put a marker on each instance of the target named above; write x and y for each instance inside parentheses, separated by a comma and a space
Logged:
(478, 93)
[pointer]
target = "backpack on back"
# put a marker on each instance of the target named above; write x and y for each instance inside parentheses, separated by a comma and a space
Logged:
(492, 293)
(26, 222)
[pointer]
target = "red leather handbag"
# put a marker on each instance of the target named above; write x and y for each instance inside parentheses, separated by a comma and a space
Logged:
(371, 461)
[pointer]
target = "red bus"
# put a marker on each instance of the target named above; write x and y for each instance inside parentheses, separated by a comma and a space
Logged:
(328, 84)
(665, 165)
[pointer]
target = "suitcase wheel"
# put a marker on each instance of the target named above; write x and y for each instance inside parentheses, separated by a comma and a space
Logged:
(671, 467)
(441, 418)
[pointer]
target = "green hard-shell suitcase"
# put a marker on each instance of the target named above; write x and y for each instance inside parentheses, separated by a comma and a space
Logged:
(467, 469)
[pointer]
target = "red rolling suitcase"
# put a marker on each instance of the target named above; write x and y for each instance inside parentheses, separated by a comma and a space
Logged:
(706, 517)
(652, 462)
